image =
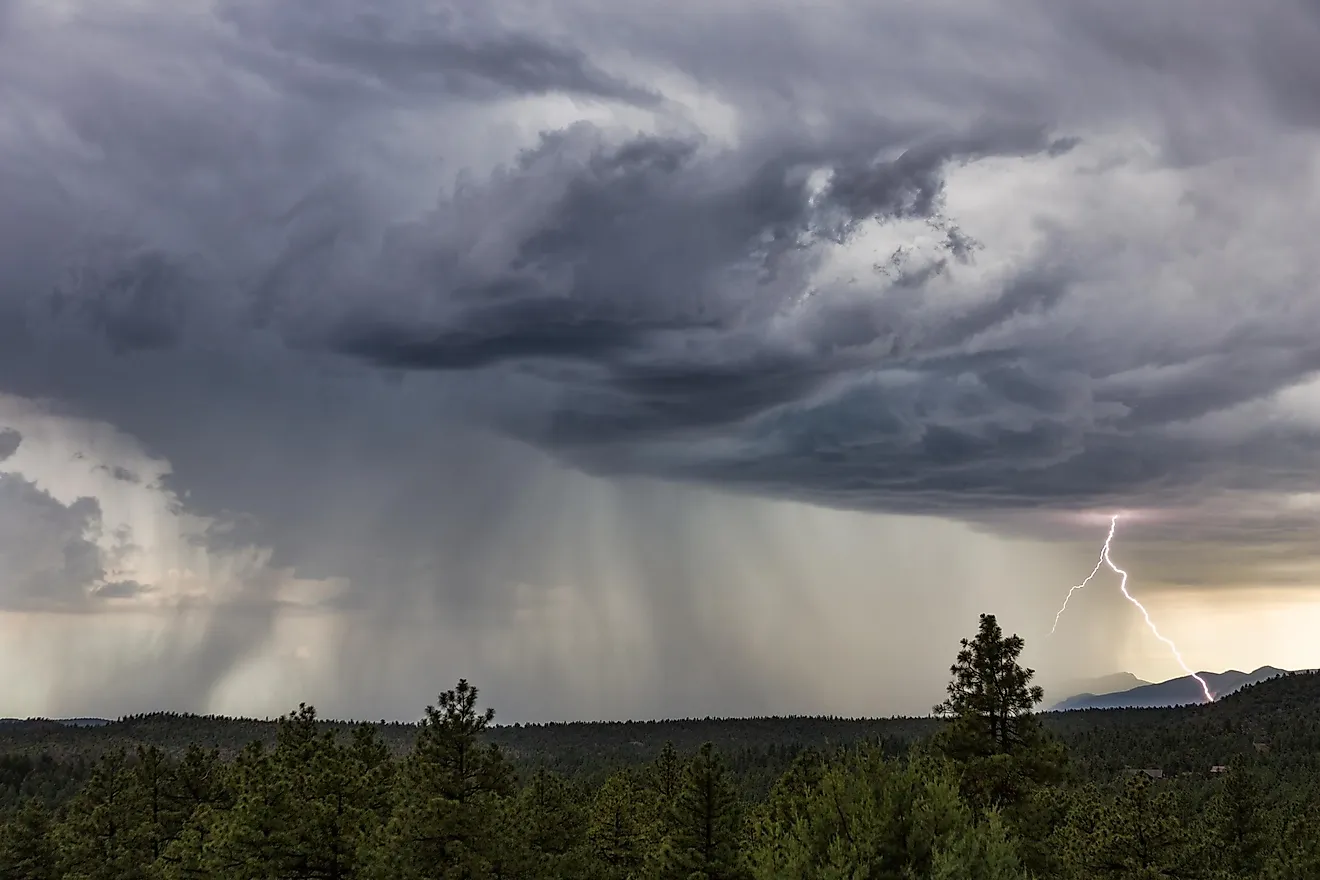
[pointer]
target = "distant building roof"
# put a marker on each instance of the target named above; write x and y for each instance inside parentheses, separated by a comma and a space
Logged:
(1152, 772)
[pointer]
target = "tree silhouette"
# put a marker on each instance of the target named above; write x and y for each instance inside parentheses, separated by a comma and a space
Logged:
(992, 732)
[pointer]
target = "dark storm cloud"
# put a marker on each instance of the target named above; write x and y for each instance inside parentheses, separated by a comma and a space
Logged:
(312, 256)
(645, 281)
(657, 289)
(523, 329)
(404, 47)
(1276, 49)
(139, 304)
(10, 440)
(647, 233)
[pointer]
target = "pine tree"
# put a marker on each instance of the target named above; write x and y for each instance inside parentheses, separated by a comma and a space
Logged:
(339, 792)
(993, 733)
(978, 852)
(1239, 824)
(198, 781)
(106, 834)
(253, 838)
(705, 825)
(991, 696)
(27, 851)
(665, 778)
(451, 810)
(1297, 855)
(305, 810)
(198, 792)
(1139, 837)
(620, 832)
(155, 775)
(551, 818)
(868, 817)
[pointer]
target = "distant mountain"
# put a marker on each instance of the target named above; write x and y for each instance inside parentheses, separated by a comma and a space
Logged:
(1174, 692)
(1105, 684)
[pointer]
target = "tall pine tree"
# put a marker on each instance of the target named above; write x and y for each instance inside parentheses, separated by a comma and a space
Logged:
(705, 825)
(993, 734)
(620, 830)
(106, 834)
(451, 806)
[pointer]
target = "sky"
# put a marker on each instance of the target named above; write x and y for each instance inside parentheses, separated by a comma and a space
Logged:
(725, 358)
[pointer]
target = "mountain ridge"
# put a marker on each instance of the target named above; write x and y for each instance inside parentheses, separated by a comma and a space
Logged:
(1179, 691)
(1103, 684)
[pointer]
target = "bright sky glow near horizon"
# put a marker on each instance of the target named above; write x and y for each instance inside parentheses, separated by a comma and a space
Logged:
(722, 361)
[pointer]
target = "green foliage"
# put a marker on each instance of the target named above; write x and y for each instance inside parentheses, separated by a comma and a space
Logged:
(1297, 856)
(27, 850)
(305, 810)
(982, 794)
(868, 817)
(990, 697)
(666, 776)
(622, 828)
(704, 828)
(553, 815)
(1138, 836)
(993, 735)
(451, 800)
(1240, 825)
(107, 834)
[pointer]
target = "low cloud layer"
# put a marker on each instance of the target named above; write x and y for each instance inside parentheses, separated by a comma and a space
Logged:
(390, 295)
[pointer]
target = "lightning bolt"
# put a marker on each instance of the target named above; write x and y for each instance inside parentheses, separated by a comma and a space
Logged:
(1099, 562)
(1106, 559)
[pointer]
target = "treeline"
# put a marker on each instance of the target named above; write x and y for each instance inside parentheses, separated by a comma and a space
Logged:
(988, 792)
(757, 750)
(1284, 712)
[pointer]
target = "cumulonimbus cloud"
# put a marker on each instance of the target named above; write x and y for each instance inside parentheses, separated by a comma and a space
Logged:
(876, 277)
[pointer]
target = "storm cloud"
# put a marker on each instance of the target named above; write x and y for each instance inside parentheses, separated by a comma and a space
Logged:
(392, 293)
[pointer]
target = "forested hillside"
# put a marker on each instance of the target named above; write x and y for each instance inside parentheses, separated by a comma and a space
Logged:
(988, 789)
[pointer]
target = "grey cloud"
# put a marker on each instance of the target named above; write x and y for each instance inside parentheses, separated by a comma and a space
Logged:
(525, 328)
(119, 472)
(47, 553)
(647, 241)
(403, 47)
(317, 272)
(1244, 364)
(137, 304)
(515, 63)
(49, 556)
(910, 185)
(1286, 54)
(120, 590)
(652, 272)
(54, 558)
(1275, 53)
(10, 440)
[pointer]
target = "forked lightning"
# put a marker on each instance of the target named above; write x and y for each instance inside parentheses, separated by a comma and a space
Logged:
(1106, 559)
